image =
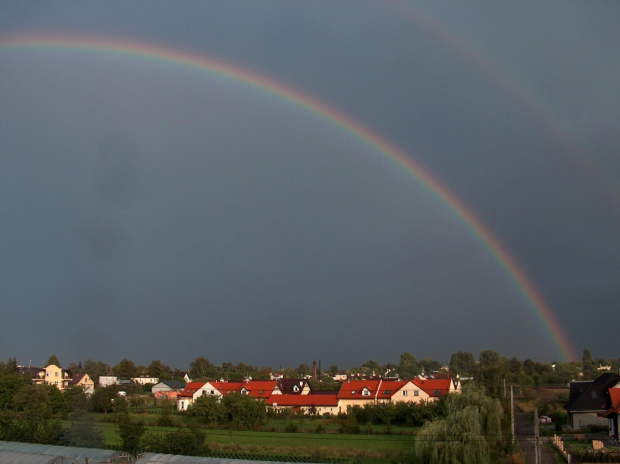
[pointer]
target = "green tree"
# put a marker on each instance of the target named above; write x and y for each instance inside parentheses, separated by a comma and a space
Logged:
(201, 368)
(244, 411)
(462, 364)
(209, 407)
(82, 433)
(333, 370)
(468, 435)
(492, 371)
(302, 370)
(408, 366)
(130, 432)
(10, 383)
(159, 370)
(126, 369)
(96, 369)
(76, 400)
(429, 365)
(102, 399)
(53, 360)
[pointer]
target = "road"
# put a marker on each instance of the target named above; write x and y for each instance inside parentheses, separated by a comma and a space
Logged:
(524, 432)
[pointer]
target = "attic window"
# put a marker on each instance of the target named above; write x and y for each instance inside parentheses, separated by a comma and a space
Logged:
(365, 392)
(353, 392)
(296, 388)
(261, 392)
(437, 392)
(387, 392)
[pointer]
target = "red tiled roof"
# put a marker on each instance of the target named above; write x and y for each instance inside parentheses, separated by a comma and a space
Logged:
(434, 387)
(354, 389)
(191, 388)
(254, 388)
(388, 388)
(614, 396)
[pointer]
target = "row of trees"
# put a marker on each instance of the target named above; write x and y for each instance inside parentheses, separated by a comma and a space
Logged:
(489, 367)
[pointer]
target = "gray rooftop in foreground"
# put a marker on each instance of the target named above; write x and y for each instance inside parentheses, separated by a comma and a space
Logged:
(157, 458)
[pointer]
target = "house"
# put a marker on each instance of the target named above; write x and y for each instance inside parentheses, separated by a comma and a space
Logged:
(84, 381)
(51, 375)
(613, 412)
(191, 391)
(145, 380)
(357, 393)
(436, 388)
(107, 380)
(167, 389)
(253, 388)
(314, 403)
(589, 401)
(397, 391)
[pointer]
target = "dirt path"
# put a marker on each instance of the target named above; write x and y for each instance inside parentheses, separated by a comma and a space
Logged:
(524, 432)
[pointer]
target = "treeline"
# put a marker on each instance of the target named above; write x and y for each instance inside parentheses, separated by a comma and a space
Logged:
(487, 368)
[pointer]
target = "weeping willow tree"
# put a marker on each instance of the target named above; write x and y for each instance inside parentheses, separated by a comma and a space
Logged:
(471, 429)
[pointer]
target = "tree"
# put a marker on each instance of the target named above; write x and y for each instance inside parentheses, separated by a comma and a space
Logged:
(130, 432)
(96, 369)
(371, 367)
(126, 369)
(159, 370)
(209, 407)
(103, 398)
(201, 368)
(408, 366)
(302, 370)
(462, 364)
(492, 370)
(82, 433)
(53, 360)
(468, 434)
(244, 411)
(333, 370)
(429, 365)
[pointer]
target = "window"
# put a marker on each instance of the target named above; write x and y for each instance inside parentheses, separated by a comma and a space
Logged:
(405, 393)
(387, 392)
(56, 374)
(365, 392)
(436, 392)
(416, 393)
(353, 392)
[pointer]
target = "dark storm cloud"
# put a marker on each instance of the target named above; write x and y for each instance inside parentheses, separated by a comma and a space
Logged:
(159, 213)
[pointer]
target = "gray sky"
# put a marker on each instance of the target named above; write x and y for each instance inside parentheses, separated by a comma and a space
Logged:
(152, 211)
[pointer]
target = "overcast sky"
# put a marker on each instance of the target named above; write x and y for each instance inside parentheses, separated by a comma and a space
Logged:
(151, 211)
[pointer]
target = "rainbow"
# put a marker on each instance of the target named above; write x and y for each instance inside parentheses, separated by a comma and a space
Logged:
(293, 96)
(570, 147)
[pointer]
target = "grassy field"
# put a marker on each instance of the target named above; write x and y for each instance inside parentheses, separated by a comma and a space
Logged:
(364, 448)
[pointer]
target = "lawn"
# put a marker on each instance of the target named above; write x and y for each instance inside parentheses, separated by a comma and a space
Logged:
(363, 447)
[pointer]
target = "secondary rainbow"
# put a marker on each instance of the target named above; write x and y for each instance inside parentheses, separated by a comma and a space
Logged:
(146, 51)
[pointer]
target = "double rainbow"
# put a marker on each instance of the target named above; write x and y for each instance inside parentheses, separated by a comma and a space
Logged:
(144, 51)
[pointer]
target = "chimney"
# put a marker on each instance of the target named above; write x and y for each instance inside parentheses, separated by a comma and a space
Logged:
(314, 370)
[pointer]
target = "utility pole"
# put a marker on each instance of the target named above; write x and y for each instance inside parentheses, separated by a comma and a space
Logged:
(512, 415)
(536, 437)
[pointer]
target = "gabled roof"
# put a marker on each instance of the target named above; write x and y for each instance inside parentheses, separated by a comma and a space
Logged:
(614, 397)
(434, 387)
(292, 386)
(190, 389)
(359, 389)
(388, 388)
(78, 378)
(254, 388)
(592, 396)
(303, 400)
(173, 384)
